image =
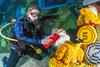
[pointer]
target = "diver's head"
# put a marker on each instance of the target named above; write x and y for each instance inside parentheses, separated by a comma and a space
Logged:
(33, 13)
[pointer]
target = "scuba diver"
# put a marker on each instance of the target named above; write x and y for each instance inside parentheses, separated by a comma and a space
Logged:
(28, 30)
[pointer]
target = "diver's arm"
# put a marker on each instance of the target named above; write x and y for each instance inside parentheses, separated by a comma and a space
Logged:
(20, 35)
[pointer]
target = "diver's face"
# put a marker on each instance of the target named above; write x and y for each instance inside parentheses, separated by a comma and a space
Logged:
(33, 14)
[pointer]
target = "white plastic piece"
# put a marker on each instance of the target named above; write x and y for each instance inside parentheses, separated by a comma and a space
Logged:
(63, 37)
(93, 9)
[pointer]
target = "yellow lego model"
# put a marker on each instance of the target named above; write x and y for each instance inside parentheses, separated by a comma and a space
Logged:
(67, 54)
(88, 15)
(88, 34)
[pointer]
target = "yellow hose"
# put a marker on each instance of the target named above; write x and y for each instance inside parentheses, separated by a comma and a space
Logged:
(3, 36)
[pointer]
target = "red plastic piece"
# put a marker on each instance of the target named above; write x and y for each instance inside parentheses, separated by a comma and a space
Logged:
(54, 38)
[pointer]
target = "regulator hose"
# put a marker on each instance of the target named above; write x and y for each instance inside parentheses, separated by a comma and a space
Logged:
(5, 37)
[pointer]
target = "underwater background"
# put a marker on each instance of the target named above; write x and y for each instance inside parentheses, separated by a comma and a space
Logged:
(10, 9)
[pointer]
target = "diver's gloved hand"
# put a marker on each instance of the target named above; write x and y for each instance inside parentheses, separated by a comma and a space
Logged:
(46, 41)
(50, 40)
